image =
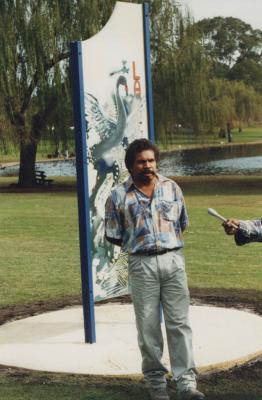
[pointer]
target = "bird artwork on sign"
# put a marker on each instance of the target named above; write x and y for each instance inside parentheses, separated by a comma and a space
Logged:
(110, 128)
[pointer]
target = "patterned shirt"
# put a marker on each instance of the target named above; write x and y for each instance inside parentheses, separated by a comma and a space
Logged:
(146, 224)
(249, 231)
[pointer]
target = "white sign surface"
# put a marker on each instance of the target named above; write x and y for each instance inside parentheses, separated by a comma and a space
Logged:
(116, 113)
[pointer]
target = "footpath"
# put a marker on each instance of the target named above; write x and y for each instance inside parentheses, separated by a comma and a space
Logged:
(54, 341)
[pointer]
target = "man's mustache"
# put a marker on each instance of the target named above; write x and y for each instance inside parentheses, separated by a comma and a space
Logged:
(147, 171)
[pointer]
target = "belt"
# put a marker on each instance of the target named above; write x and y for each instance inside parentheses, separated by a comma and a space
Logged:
(154, 252)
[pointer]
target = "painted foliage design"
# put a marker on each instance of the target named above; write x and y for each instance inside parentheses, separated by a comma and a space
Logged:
(112, 125)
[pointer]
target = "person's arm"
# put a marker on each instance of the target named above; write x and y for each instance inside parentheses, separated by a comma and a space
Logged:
(244, 231)
(113, 226)
(184, 221)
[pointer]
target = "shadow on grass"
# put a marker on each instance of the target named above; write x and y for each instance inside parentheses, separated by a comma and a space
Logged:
(191, 185)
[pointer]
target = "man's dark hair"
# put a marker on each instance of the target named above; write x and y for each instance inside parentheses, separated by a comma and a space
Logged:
(137, 146)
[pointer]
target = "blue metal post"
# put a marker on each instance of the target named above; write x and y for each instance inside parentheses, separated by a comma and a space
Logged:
(149, 91)
(82, 190)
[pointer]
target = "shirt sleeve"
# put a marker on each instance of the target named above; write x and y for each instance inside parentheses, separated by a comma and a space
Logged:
(249, 231)
(113, 226)
(184, 221)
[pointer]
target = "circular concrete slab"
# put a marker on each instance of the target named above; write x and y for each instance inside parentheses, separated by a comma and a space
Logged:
(55, 341)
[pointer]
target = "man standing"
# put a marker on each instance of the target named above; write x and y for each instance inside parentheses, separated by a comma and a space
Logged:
(244, 231)
(146, 216)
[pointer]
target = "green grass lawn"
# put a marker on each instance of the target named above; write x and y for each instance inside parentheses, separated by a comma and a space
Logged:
(249, 134)
(38, 246)
(188, 140)
(40, 260)
(23, 385)
(43, 387)
(39, 243)
(213, 259)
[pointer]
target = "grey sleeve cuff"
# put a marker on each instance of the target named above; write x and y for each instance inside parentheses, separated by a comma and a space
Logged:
(249, 231)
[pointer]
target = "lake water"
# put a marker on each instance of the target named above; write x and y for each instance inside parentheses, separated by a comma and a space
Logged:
(51, 168)
(169, 165)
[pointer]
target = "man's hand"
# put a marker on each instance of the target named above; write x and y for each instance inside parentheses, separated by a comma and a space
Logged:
(231, 226)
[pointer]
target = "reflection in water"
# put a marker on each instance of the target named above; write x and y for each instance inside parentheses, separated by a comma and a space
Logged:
(51, 168)
(169, 165)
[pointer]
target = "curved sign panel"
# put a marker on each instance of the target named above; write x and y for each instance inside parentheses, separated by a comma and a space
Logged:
(112, 107)
(116, 114)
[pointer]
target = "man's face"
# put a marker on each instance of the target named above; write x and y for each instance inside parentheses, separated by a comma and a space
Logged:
(144, 167)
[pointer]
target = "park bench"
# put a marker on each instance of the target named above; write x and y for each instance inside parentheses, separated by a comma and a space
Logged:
(41, 179)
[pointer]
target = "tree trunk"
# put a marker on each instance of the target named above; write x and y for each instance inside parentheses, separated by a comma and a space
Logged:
(27, 162)
(229, 135)
(28, 146)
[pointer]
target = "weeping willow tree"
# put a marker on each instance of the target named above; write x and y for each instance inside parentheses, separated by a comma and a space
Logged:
(34, 72)
(192, 79)
(233, 103)
(180, 71)
(165, 16)
(34, 54)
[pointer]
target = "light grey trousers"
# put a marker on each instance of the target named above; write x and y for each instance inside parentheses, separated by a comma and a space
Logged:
(155, 280)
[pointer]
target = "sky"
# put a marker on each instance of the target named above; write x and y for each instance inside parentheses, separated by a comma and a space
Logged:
(249, 11)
